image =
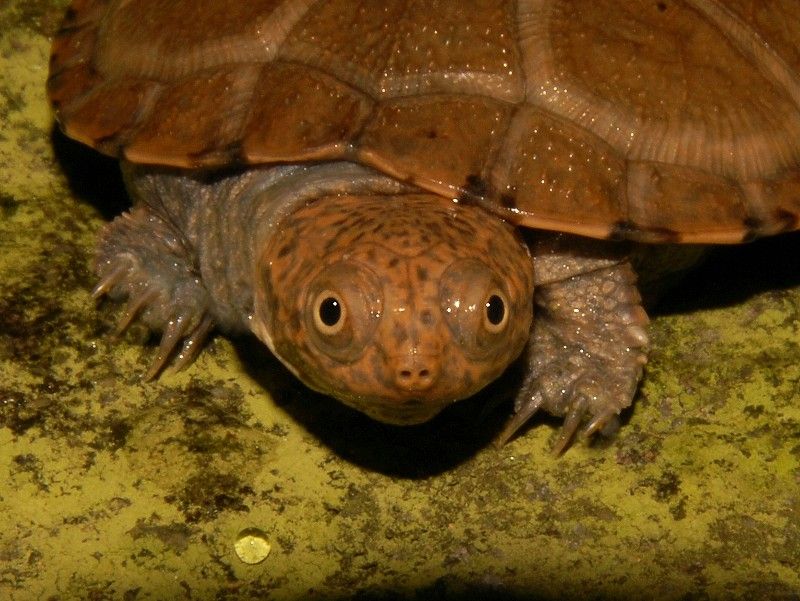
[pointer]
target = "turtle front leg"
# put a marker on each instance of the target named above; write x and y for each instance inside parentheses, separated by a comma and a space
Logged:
(588, 345)
(141, 258)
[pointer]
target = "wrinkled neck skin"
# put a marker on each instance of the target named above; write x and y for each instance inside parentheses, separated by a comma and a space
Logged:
(397, 303)
(224, 218)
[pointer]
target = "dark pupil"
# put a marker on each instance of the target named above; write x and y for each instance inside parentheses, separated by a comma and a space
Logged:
(495, 310)
(330, 311)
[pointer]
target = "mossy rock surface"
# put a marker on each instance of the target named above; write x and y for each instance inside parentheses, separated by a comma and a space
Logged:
(119, 489)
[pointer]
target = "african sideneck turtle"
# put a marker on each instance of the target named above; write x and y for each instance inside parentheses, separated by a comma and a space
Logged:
(402, 198)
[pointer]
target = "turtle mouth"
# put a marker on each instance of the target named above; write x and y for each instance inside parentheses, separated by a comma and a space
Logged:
(406, 412)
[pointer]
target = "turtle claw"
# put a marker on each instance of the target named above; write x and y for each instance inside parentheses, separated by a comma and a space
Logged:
(108, 282)
(173, 332)
(571, 423)
(604, 423)
(133, 308)
(177, 329)
(519, 419)
(193, 344)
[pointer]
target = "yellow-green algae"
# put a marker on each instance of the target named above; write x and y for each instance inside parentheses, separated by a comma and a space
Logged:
(117, 489)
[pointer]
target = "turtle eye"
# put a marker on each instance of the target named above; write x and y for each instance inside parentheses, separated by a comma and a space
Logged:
(329, 313)
(477, 308)
(341, 310)
(495, 314)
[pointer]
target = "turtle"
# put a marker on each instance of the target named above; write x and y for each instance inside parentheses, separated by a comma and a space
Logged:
(402, 199)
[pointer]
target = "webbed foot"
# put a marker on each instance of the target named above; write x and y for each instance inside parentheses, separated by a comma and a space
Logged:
(586, 353)
(140, 258)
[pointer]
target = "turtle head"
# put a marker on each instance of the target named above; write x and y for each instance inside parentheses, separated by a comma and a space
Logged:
(395, 305)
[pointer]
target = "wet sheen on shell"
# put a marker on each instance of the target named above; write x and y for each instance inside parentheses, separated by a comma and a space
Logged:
(675, 121)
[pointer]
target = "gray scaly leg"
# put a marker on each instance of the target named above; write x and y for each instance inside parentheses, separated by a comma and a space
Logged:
(589, 343)
(141, 257)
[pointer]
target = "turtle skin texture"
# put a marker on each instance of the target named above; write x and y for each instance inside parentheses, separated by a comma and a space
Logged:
(402, 199)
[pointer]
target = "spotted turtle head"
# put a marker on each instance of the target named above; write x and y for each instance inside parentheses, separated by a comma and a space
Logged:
(396, 305)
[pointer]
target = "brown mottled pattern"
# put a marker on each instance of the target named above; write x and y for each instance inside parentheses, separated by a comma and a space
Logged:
(658, 121)
(393, 261)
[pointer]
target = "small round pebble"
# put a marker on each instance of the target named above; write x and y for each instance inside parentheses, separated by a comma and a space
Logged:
(252, 546)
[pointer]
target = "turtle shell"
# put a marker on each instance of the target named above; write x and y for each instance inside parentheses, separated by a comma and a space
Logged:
(660, 121)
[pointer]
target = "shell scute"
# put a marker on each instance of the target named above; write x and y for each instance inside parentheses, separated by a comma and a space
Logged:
(781, 197)
(68, 87)
(81, 13)
(413, 47)
(72, 48)
(106, 115)
(200, 119)
(668, 196)
(557, 173)
(300, 113)
(457, 134)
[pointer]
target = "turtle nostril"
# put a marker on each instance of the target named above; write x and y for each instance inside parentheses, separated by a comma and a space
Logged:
(415, 378)
(406, 374)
